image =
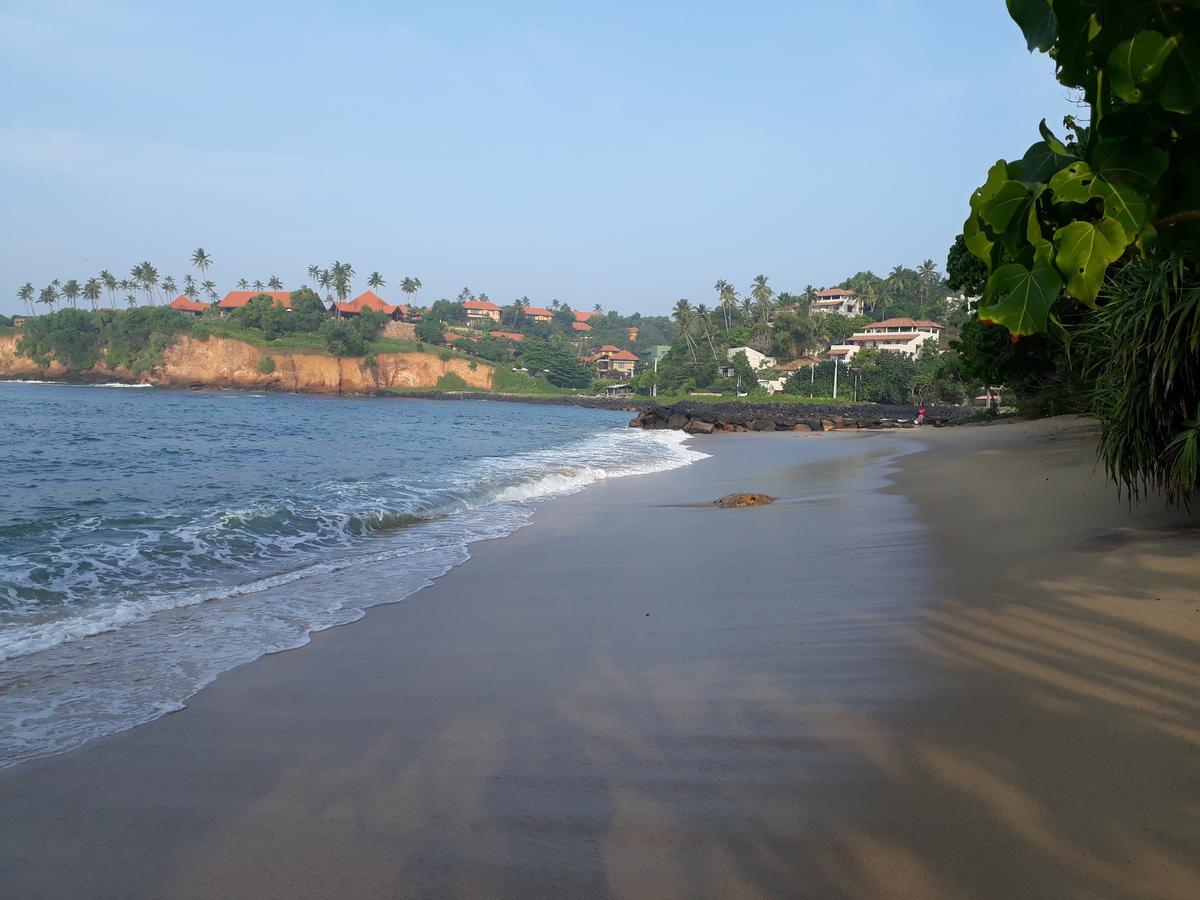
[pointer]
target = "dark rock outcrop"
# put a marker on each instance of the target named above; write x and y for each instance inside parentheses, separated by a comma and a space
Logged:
(712, 418)
(734, 501)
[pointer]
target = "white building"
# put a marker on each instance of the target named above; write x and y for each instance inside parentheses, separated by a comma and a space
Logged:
(842, 301)
(905, 336)
(758, 361)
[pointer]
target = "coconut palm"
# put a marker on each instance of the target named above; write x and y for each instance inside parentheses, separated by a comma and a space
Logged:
(274, 283)
(201, 260)
(169, 287)
(705, 326)
(189, 285)
(343, 278)
(410, 286)
(682, 314)
(243, 284)
(49, 296)
(745, 309)
(91, 291)
(325, 280)
(927, 271)
(71, 291)
(25, 295)
(130, 300)
(375, 281)
(555, 304)
(597, 309)
(146, 276)
(727, 296)
(258, 284)
(314, 274)
(210, 288)
(809, 295)
(519, 305)
(762, 294)
(110, 284)
(465, 294)
(125, 284)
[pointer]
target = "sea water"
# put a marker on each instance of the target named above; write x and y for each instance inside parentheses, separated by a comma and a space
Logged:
(152, 539)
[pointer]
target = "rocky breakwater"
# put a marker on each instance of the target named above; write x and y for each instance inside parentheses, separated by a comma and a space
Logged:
(710, 418)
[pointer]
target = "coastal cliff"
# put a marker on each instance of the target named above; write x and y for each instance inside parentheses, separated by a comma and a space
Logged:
(225, 363)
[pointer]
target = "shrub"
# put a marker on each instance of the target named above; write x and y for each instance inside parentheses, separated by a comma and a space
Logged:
(452, 382)
(341, 338)
(266, 365)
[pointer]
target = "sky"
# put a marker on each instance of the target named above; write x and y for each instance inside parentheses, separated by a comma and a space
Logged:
(626, 154)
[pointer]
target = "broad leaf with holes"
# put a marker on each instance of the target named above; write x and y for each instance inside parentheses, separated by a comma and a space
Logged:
(1020, 298)
(1083, 253)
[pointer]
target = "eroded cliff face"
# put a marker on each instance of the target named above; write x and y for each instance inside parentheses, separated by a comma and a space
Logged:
(224, 363)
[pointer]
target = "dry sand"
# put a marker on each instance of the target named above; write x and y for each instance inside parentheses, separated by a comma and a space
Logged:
(981, 682)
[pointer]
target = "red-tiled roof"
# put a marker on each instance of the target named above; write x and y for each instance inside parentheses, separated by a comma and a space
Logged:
(903, 323)
(238, 299)
(450, 337)
(481, 304)
(607, 348)
(538, 312)
(623, 354)
(184, 303)
(369, 300)
(836, 292)
(514, 336)
(581, 326)
(583, 315)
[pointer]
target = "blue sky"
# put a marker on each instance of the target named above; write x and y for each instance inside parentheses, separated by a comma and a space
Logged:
(627, 154)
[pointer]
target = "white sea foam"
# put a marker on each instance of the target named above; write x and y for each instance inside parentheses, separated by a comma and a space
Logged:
(144, 657)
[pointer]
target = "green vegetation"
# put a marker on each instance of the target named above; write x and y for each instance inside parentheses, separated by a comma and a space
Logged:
(1088, 243)
(452, 382)
(266, 365)
(135, 339)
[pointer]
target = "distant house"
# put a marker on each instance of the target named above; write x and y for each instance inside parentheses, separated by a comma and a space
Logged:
(758, 361)
(842, 301)
(189, 307)
(515, 336)
(370, 300)
(584, 316)
(633, 333)
(612, 362)
(905, 336)
(537, 314)
(478, 310)
(580, 326)
(237, 299)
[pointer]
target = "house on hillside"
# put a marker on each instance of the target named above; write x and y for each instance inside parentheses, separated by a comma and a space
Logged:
(189, 307)
(237, 299)
(580, 327)
(842, 301)
(905, 336)
(612, 362)
(371, 300)
(479, 310)
(537, 314)
(19, 321)
(758, 361)
(515, 336)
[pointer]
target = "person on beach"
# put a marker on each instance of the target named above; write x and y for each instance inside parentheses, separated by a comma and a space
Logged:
(920, 420)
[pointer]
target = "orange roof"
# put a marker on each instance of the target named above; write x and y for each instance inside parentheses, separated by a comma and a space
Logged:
(538, 311)
(370, 300)
(836, 292)
(481, 304)
(450, 337)
(623, 354)
(838, 351)
(607, 348)
(633, 333)
(903, 323)
(238, 299)
(184, 303)
(508, 336)
(581, 326)
(583, 315)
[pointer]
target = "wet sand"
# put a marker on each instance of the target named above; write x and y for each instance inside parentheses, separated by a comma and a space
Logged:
(962, 685)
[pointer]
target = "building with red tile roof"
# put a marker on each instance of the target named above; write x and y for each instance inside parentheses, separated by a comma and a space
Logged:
(584, 315)
(537, 313)
(189, 307)
(515, 336)
(370, 300)
(580, 326)
(900, 335)
(612, 362)
(842, 301)
(481, 309)
(237, 299)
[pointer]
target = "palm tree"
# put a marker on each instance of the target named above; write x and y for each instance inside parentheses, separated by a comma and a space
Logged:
(343, 277)
(325, 280)
(762, 294)
(130, 300)
(91, 291)
(258, 284)
(375, 281)
(210, 289)
(927, 271)
(110, 284)
(189, 285)
(274, 283)
(410, 286)
(519, 306)
(682, 314)
(465, 294)
(243, 284)
(71, 291)
(25, 295)
(49, 295)
(597, 309)
(745, 308)
(702, 318)
(169, 287)
(728, 300)
(314, 274)
(555, 304)
(201, 260)
(147, 276)
(810, 295)
(125, 284)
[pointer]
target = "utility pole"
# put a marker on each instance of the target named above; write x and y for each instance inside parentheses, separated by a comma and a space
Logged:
(812, 380)
(835, 367)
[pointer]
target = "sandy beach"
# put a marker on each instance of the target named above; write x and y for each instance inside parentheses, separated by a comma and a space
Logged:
(944, 664)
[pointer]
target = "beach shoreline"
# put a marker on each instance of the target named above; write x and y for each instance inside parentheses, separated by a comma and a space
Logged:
(667, 701)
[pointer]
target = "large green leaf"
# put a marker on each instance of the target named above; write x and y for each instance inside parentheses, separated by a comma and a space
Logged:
(1077, 25)
(1084, 251)
(1179, 87)
(1124, 203)
(1009, 201)
(977, 241)
(1073, 184)
(1037, 21)
(1039, 164)
(1134, 64)
(1055, 145)
(997, 175)
(1019, 298)
(1130, 161)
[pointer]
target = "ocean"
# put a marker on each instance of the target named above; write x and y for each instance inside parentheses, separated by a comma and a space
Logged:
(152, 539)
